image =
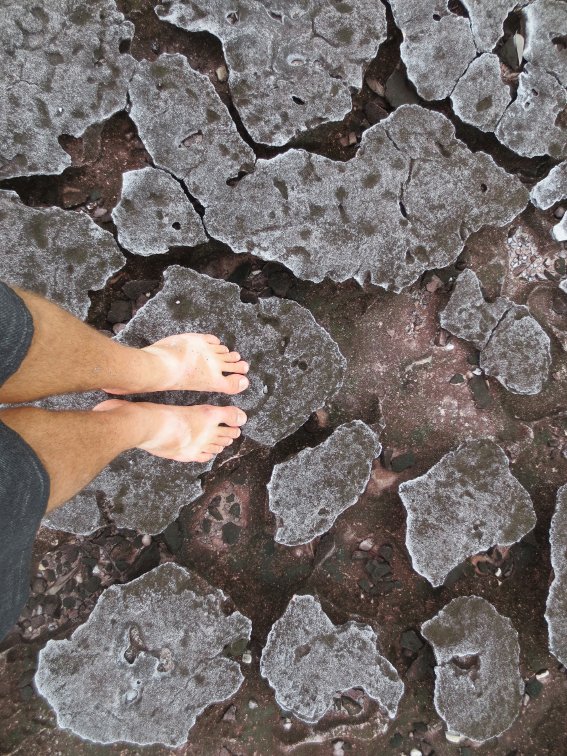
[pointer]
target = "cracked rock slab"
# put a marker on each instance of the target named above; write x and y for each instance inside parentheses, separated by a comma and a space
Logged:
(556, 607)
(147, 662)
(185, 127)
(56, 253)
(291, 66)
(487, 20)
(478, 687)
(295, 366)
(309, 491)
(307, 659)
(546, 25)
(480, 96)
(404, 204)
(64, 67)
(154, 214)
(466, 503)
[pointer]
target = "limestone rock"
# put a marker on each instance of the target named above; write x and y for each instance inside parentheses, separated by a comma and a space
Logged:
(546, 23)
(147, 662)
(466, 503)
(307, 659)
(478, 687)
(487, 20)
(79, 515)
(556, 608)
(309, 491)
(480, 96)
(551, 189)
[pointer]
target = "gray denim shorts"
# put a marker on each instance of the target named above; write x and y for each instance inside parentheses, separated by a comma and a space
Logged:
(24, 483)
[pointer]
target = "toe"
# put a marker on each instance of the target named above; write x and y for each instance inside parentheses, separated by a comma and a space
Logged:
(231, 416)
(210, 339)
(231, 357)
(109, 404)
(204, 457)
(229, 433)
(234, 384)
(237, 367)
(224, 442)
(213, 449)
(221, 349)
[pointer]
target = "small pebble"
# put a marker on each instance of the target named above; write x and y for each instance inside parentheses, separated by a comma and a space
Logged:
(453, 737)
(286, 724)
(146, 539)
(338, 749)
(252, 704)
(415, 752)
(247, 657)
(118, 327)
(542, 675)
(222, 73)
(366, 545)
(559, 212)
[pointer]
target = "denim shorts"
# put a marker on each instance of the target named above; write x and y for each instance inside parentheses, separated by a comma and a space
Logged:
(24, 483)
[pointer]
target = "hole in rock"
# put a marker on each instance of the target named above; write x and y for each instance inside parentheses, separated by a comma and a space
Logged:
(124, 46)
(276, 16)
(232, 18)
(483, 188)
(195, 138)
(176, 226)
(403, 210)
(560, 41)
(436, 17)
(469, 664)
(456, 7)
(297, 100)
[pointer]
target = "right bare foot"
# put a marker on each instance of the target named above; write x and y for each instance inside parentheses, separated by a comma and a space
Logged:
(184, 434)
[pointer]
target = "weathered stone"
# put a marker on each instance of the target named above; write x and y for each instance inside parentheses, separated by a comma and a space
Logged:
(309, 491)
(546, 24)
(59, 254)
(155, 214)
(487, 20)
(478, 687)
(480, 96)
(291, 67)
(147, 662)
(556, 607)
(307, 659)
(551, 189)
(466, 503)
(62, 68)
(295, 366)
(405, 203)
(559, 231)
(79, 515)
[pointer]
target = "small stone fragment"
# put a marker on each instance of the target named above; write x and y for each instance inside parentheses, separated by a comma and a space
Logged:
(556, 607)
(551, 189)
(307, 659)
(480, 96)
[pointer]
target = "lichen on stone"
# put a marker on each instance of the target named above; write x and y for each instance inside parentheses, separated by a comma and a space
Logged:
(480, 96)
(466, 503)
(309, 491)
(307, 659)
(556, 607)
(478, 687)
(291, 65)
(295, 366)
(405, 203)
(154, 214)
(56, 253)
(147, 662)
(64, 66)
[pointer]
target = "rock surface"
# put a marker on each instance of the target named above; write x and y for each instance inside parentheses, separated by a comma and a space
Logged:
(546, 22)
(556, 607)
(480, 96)
(551, 189)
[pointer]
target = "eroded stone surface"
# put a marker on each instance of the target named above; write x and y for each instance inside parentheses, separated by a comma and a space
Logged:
(480, 96)
(147, 662)
(546, 22)
(556, 607)
(56, 253)
(487, 20)
(80, 515)
(405, 203)
(185, 126)
(478, 687)
(466, 503)
(552, 189)
(155, 214)
(295, 366)
(307, 659)
(309, 491)
(291, 66)
(63, 67)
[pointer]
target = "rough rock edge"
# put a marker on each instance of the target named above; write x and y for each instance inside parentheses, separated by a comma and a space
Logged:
(557, 590)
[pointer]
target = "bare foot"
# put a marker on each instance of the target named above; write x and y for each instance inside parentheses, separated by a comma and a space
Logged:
(194, 362)
(185, 434)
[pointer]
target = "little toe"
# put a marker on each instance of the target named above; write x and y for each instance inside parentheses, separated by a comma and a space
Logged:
(236, 367)
(234, 384)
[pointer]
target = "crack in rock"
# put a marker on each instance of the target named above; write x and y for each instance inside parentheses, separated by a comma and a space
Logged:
(146, 663)
(307, 659)
(466, 503)
(480, 96)
(62, 69)
(478, 686)
(309, 491)
(343, 220)
(556, 607)
(291, 67)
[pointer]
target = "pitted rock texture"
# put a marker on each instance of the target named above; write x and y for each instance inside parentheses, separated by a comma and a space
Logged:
(466, 503)
(556, 607)
(309, 491)
(546, 22)
(307, 659)
(404, 204)
(478, 687)
(155, 214)
(295, 366)
(185, 126)
(290, 66)
(63, 67)
(147, 662)
(59, 254)
(480, 96)
(551, 189)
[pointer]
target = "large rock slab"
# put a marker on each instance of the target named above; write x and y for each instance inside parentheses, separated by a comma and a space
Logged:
(480, 96)
(56, 253)
(307, 659)
(546, 22)
(466, 503)
(147, 662)
(309, 491)
(478, 687)
(295, 366)
(291, 67)
(405, 203)
(63, 67)
(556, 607)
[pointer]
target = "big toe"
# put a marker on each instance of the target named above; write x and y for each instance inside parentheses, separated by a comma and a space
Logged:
(234, 384)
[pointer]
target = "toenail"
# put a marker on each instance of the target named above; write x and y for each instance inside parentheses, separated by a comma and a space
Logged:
(242, 383)
(241, 416)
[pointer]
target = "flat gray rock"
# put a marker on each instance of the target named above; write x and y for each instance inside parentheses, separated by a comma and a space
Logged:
(63, 67)
(309, 491)
(478, 686)
(404, 204)
(466, 503)
(185, 126)
(546, 24)
(295, 366)
(147, 662)
(307, 659)
(480, 96)
(290, 66)
(487, 20)
(80, 515)
(59, 254)
(551, 189)
(154, 214)
(556, 607)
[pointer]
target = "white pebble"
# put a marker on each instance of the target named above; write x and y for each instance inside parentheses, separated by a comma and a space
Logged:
(338, 749)
(146, 539)
(287, 724)
(252, 704)
(542, 675)
(366, 545)
(453, 737)
(247, 657)
(415, 752)
(96, 570)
